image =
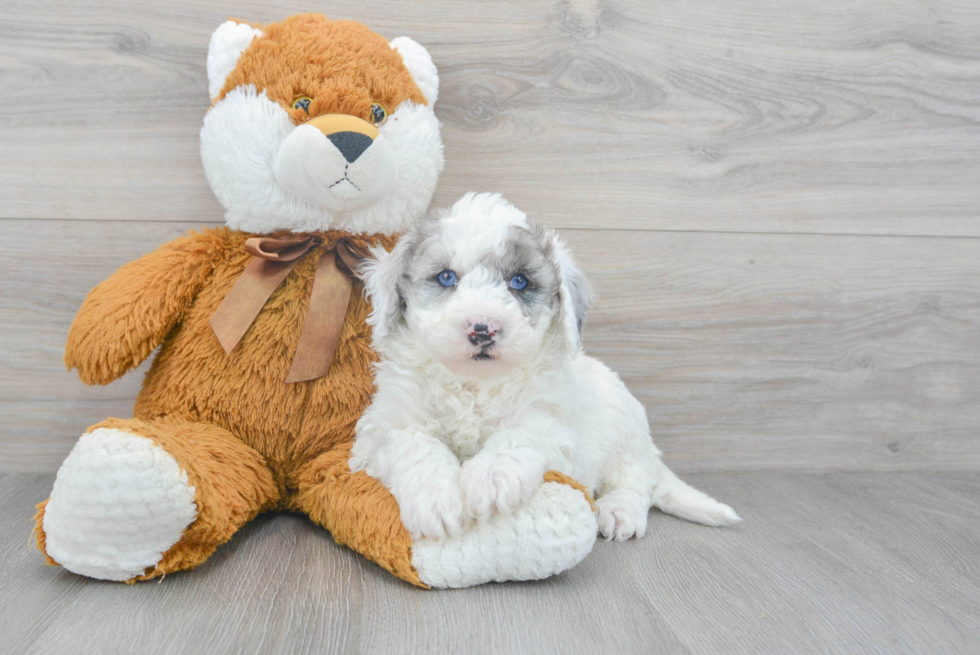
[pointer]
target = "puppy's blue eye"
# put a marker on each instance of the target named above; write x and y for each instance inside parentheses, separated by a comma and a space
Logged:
(447, 278)
(518, 282)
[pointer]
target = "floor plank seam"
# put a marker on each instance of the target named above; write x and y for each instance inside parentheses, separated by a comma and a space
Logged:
(565, 229)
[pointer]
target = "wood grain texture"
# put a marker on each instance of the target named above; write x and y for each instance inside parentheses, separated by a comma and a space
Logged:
(750, 352)
(794, 352)
(854, 563)
(717, 162)
(760, 116)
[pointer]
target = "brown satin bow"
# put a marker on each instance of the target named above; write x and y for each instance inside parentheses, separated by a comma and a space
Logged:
(272, 260)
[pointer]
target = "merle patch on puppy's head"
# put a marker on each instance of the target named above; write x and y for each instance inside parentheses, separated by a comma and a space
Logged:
(479, 287)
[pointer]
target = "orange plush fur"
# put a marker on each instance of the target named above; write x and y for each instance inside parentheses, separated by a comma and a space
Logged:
(248, 441)
(342, 65)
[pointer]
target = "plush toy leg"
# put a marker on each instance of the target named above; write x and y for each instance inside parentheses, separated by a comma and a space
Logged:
(358, 511)
(553, 532)
(136, 500)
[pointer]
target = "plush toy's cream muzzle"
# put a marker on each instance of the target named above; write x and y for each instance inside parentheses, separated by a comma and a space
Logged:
(336, 161)
(344, 128)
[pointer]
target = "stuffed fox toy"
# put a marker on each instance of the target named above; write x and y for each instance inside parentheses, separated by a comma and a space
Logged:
(320, 143)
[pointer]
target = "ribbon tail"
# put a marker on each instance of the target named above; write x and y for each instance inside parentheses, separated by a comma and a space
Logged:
(351, 255)
(245, 300)
(324, 321)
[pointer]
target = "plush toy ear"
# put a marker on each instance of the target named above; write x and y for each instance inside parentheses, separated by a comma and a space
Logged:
(228, 43)
(574, 295)
(419, 64)
(381, 274)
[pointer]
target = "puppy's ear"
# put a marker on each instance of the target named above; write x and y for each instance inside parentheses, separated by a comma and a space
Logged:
(381, 274)
(574, 295)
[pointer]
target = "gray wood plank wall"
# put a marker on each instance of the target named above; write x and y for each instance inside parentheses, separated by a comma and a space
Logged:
(778, 202)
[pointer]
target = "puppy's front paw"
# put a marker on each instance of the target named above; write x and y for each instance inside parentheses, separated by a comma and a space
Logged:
(433, 509)
(498, 482)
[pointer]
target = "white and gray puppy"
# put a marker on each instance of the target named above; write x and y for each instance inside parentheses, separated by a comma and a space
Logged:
(483, 386)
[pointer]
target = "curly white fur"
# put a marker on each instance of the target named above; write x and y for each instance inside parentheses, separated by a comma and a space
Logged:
(483, 387)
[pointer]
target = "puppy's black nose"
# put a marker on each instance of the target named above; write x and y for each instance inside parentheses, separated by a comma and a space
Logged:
(350, 144)
(483, 332)
(480, 334)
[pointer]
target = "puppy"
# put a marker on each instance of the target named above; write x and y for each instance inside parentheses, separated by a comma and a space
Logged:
(483, 385)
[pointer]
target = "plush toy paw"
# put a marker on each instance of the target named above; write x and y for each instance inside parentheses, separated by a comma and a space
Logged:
(552, 532)
(118, 504)
(622, 515)
(498, 482)
(433, 509)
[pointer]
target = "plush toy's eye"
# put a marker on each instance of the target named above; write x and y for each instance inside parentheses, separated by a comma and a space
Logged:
(518, 282)
(447, 278)
(378, 114)
(303, 103)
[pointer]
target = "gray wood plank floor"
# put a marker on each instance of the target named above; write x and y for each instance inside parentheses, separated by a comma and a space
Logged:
(853, 563)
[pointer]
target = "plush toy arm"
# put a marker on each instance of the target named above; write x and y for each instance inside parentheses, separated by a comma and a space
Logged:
(550, 533)
(128, 315)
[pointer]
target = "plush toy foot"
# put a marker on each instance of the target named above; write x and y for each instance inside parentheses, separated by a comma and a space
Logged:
(139, 499)
(549, 534)
(118, 504)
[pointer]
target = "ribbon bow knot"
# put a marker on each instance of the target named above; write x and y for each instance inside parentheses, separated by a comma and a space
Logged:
(272, 260)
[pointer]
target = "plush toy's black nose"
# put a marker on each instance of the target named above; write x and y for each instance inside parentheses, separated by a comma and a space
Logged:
(350, 144)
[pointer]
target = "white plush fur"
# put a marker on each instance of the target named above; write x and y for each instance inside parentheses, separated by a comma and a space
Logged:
(419, 63)
(458, 438)
(272, 175)
(118, 504)
(311, 168)
(228, 43)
